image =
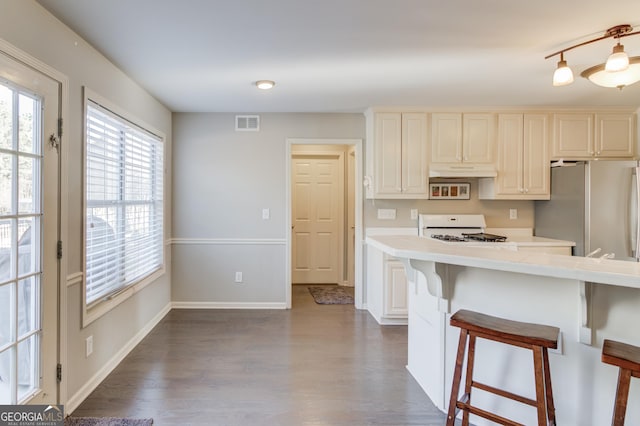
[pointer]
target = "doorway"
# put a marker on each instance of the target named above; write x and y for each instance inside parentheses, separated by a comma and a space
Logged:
(29, 232)
(323, 236)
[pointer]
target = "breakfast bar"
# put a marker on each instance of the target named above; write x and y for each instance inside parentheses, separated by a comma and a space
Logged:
(588, 299)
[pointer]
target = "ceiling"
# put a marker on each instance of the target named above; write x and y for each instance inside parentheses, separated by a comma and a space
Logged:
(347, 55)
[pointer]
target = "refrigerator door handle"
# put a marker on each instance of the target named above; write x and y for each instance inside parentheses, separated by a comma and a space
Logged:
(634, 215)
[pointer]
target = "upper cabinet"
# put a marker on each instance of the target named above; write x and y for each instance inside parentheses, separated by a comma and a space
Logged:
(462, 138)
(584, 136)
(399, 164)
(523, 159)
(509, 151)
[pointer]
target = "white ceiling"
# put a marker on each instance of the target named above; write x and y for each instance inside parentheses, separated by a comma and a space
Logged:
(347, 55)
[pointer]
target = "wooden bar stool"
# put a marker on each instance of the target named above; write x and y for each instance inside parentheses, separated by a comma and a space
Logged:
(536, 337)
(627, 358)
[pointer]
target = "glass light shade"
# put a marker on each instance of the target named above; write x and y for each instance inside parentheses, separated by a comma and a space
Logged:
(265, 84)
(598, 75)
(562, 75)
(618, 60)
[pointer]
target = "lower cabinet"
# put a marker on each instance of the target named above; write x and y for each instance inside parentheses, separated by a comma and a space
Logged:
(395, 289)
(386, 284)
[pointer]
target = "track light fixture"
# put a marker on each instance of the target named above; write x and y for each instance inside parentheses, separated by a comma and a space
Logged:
(618, 71)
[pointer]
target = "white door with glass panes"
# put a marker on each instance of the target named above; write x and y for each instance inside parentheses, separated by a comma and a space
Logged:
(317, 218)
(29, 167)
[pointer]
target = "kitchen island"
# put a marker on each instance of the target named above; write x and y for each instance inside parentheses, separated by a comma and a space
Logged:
(588, 299)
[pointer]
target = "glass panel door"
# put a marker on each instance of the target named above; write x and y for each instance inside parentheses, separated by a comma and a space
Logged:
(28, 268)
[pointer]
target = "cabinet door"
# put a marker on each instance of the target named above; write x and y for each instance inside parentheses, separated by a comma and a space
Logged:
(396, 303)
(523, 159)
(572, 136)
(446, 138)
(536, 168)
(615, 135)
(414, 154)
(478, 138)
(388, 153)
(510, 155)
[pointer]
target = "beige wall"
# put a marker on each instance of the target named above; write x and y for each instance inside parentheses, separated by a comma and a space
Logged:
(222, 181)
(27, 26)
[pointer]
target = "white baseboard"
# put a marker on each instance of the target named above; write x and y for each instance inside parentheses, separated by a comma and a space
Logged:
(75, 401)
(227, 305)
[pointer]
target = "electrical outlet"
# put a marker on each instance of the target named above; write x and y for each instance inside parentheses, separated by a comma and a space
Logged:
(89, 346)
(414, 214)
(513, 213)
(266, 214)
(238, 277)
(386, 213)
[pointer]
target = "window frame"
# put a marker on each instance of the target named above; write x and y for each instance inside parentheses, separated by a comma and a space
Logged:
(98, 308)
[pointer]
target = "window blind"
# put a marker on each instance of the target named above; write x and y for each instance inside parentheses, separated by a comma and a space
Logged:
(124, 203)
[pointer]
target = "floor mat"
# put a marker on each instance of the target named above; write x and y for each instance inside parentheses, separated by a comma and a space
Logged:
(332, 295)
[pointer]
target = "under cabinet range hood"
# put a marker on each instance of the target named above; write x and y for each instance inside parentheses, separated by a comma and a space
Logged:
(463, 171)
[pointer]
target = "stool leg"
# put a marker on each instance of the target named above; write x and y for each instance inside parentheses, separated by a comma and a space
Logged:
(551, 409)
(622, 393)
(539, 376)
(471, 351)
(457, 375)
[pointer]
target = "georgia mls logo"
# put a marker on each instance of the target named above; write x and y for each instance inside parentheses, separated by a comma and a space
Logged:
(31, 415)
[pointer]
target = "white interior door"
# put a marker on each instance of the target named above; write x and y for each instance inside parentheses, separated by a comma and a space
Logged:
(29, 111)
(317, 218)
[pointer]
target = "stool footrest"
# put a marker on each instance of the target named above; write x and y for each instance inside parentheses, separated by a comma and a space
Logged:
(504, 393)
(487, 415)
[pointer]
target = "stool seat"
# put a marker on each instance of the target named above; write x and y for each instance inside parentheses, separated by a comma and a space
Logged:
(621, 355)
(627, 358)
(536, 337)
(527, 333)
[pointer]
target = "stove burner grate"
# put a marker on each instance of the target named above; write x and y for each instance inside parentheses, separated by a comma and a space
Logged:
(444, 237)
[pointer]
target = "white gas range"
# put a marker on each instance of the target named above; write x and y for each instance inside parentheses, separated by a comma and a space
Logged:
(456, 228)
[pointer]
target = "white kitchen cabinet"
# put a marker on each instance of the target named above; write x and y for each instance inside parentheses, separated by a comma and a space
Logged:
(584, 136)
(462, 138)
(395, 288)
(400, 160)
(523, 159)
(386, 281)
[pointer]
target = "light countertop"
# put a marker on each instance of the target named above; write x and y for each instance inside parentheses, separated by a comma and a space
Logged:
(499, 257)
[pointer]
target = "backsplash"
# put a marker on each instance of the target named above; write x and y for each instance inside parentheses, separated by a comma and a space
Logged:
(497, 212)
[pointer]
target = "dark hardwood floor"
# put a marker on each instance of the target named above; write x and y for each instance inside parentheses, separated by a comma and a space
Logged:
(311, 365)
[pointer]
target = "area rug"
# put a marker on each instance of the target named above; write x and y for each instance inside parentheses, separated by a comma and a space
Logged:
(106, 421)
(332, 295)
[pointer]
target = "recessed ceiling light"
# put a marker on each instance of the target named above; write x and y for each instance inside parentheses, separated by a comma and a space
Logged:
(265, 84)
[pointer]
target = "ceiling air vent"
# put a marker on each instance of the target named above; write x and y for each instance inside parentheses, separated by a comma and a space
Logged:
(247, 123)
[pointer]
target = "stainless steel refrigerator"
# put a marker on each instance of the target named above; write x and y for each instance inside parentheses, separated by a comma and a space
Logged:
(595, 204)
